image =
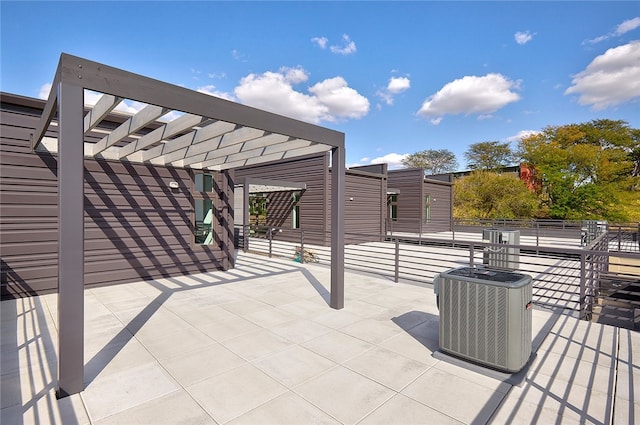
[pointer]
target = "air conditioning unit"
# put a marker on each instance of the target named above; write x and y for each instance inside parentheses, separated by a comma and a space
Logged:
(505, 256)
(485, 316)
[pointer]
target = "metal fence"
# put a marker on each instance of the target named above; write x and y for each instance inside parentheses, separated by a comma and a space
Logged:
(565, 276)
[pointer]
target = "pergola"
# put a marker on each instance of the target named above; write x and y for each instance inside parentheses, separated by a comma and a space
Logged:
(209, 133)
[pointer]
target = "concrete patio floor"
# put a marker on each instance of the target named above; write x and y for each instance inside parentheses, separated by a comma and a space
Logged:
(259, 345)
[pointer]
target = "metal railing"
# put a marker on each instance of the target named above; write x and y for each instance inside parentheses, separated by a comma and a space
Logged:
(564, 277)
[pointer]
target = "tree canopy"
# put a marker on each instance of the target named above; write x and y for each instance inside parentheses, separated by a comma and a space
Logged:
(485, 194)
(489, 155)
(434, 161)
(585, 170)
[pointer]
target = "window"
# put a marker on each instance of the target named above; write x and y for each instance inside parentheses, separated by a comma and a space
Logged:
(204, 183)
(393, 207)
(295, 213)
(204, 221)
(427, 209)
(203, 207)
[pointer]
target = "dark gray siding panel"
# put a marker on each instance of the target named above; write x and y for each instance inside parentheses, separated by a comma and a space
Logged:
(135, 226)
(365, 206)
(413, 189)
(441, 206)
(314, 201)
(410, 199)
(364, 216)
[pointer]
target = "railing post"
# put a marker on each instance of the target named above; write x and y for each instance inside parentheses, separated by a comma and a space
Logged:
(245, 237)
(619, 238)
(270, 237)
(471, 255)
(583, 289)
(537, 234)
(301, 246)
(397, 261)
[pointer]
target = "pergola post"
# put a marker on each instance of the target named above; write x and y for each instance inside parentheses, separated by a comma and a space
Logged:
(337, 227)
(70, 240)
(245, 216)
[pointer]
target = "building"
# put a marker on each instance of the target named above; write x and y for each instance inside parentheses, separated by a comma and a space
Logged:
(419, 203)
(291, 199)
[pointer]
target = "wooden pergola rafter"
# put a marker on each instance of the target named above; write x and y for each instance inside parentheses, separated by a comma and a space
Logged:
(209, 133)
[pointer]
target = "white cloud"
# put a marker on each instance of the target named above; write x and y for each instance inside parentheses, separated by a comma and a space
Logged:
(210, 89)
(329, 100)
(320, 41)
(398, 84)
(44, 91)
(393, 159)
(346, 48)
(623, 28)
(523, 37)
(395, 86)
(470, 95)
(628, 25)
(342, 101)
(521, 135)
(610, 79)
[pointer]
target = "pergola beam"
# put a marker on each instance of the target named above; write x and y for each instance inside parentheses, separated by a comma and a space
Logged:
(106, 79)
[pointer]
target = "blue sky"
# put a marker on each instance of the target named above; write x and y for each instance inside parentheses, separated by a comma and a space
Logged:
(395, 77)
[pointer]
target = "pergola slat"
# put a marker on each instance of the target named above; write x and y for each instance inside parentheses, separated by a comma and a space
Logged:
(241, 135)
(146, 116)
(204, 147)
(293, 144)
(267, 140)
(169, 158)
(292, 153)
(179, 143)
(101, 109)
(213, 130)
(165, 131)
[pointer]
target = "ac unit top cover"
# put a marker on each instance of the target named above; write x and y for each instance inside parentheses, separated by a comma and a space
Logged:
(488, 276)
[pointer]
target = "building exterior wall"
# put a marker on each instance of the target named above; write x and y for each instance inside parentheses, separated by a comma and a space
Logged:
(314, 202)
(365, 197)
(365, 206)
(135, 226)
(412, 188)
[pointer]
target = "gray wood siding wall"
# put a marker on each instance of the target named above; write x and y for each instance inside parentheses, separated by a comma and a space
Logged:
(364, 216)
(314, 203)
(441, 207)
(411, 202)
(135, 226)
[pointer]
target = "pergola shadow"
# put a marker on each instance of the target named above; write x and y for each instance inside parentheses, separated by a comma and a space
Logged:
(129, 331)
(209, 135)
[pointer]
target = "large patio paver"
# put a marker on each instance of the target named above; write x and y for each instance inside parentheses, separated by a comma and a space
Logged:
(260, 345)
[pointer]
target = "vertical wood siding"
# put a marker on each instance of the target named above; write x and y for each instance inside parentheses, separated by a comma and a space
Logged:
(413, 188)
(135, 226)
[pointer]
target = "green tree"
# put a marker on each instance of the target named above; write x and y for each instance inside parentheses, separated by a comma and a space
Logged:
(489, 155)
(485, 194)
(583, 169)
(434, 161)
